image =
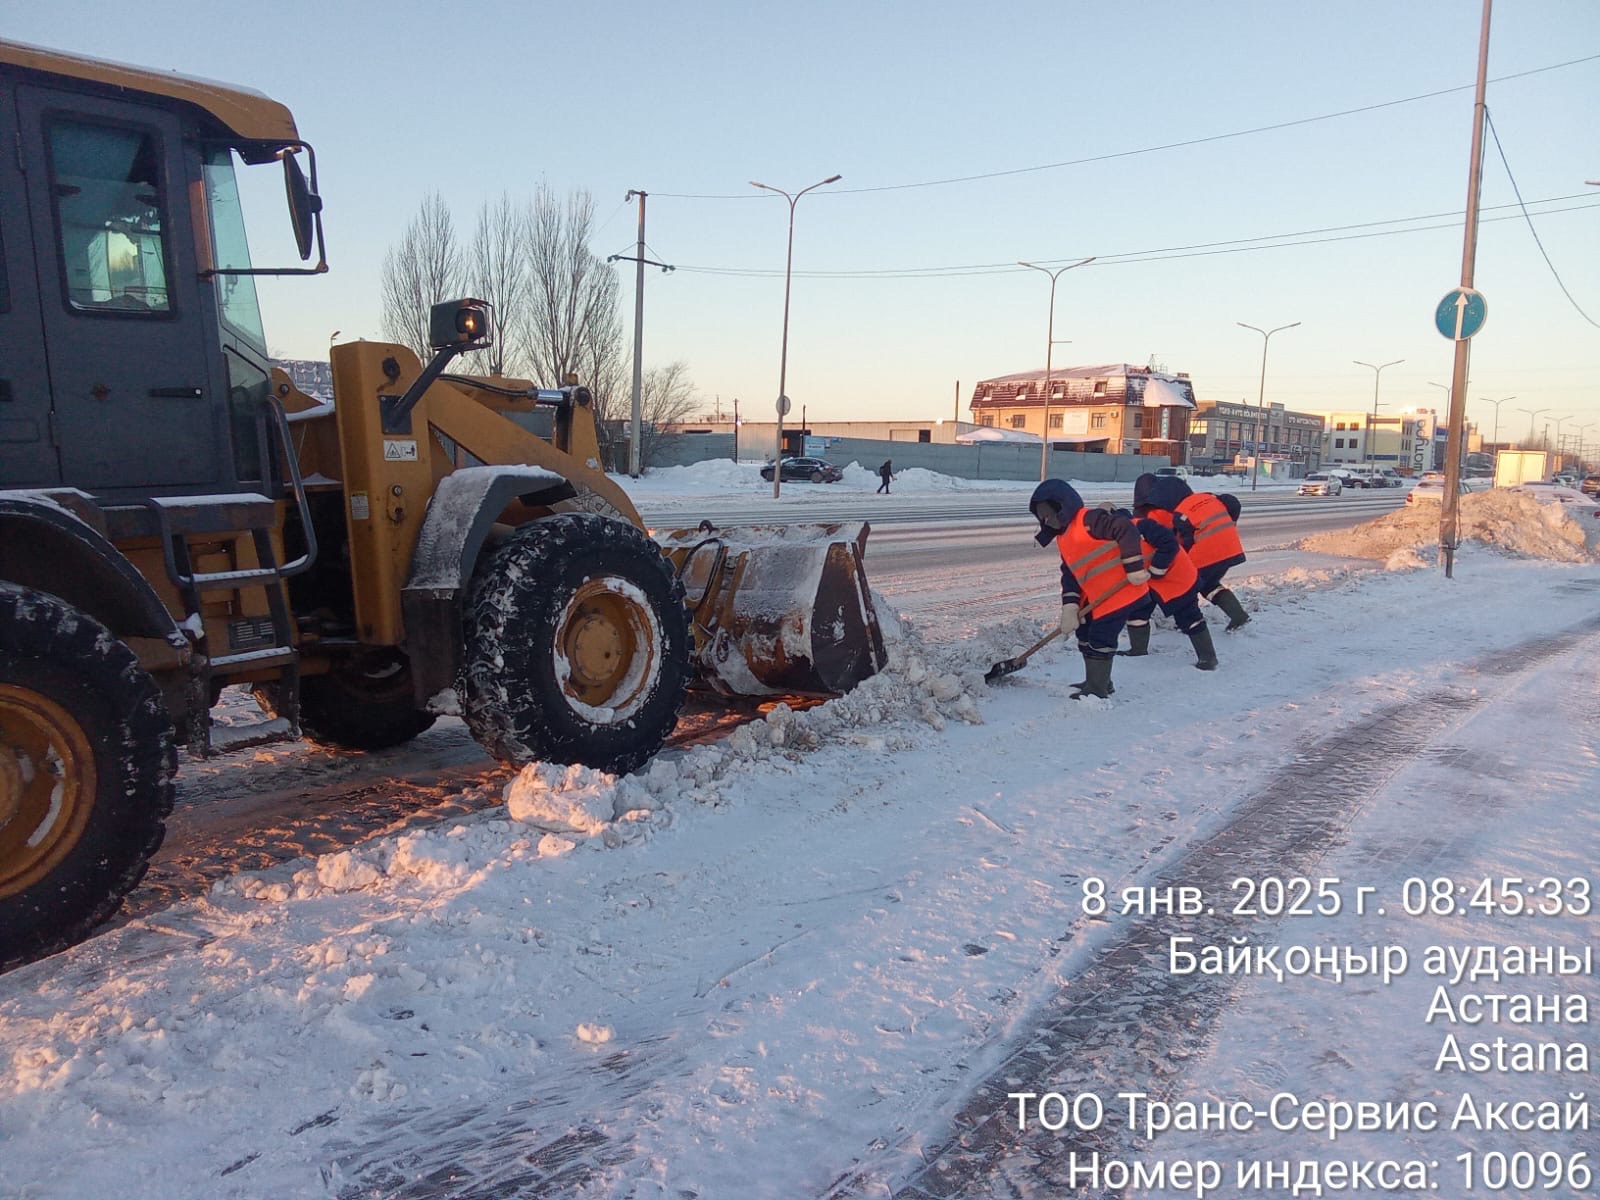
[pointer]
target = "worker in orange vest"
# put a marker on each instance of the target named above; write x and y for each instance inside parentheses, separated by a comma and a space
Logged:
(1103, 575)
(1207, 526)
(1175, 586)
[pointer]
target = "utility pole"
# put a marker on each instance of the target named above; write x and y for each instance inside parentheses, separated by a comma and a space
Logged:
(636, 428)
(736, 429)
(1449, 509)
(957, 415)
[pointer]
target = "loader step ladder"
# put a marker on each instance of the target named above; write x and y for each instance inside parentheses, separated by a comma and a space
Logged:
(270, 644)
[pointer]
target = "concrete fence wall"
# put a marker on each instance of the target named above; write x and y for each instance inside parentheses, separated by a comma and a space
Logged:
(983, 460)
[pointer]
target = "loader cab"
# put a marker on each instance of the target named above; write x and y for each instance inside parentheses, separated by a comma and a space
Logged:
(132, 357)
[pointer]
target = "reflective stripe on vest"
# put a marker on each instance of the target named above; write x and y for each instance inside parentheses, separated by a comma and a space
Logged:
(1216, 537)
(1180, 577)
(1097, 566)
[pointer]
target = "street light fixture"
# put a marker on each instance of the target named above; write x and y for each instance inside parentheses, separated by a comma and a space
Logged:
(1261, 395)
(1532, 413)
(1049, 345)
(783, 359)
(1372, 429)
(1497, 404)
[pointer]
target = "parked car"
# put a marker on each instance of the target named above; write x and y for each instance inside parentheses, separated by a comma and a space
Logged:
(1590, 485)
(817, 470)
(1390, 477)
(1430, 488)
(1175, 472)
(1348, 478)
(1321, 484)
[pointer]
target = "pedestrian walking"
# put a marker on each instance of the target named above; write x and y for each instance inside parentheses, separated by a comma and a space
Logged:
(883, 473)
(1174, 586)
(1207, 525)
(1103, 575)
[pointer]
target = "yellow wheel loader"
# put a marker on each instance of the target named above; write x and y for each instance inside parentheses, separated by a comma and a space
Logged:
(176, 517)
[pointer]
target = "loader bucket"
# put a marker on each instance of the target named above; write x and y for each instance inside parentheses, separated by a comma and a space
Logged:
(779, 610)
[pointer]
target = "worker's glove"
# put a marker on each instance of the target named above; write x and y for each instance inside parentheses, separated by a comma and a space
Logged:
(1070, 618)
(1138, 577)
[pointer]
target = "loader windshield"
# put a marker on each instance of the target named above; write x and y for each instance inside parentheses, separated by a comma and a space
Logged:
(236, 294)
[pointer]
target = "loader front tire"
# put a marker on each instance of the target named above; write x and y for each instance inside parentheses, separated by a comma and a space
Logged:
(87, 757)
(576, 645)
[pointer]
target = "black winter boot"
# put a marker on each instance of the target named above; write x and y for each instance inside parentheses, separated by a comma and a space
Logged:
(1138, 639)
(1229, 603)
(1096, 678)
(1205, 654)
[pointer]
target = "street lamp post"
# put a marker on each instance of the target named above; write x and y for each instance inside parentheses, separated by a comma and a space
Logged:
(1532, 414)
(1497, 404)
(1372, 429)
(783, 358)
(1049, 346)
(1261, 394)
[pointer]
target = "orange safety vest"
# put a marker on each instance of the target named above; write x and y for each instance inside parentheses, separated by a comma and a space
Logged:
(1097, 566)
(1216, 537)
(1180, 577)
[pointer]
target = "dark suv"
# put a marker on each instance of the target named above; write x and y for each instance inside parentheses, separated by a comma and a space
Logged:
(817, 470)
(1590, 486)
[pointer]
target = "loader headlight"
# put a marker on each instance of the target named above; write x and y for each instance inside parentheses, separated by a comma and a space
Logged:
(460, 323)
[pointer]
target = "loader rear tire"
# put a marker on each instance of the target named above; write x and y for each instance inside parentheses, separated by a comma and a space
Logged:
(87, 757)
(577, 645)
(364, 703)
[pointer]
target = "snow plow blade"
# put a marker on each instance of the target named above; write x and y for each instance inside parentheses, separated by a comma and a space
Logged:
(779, 610)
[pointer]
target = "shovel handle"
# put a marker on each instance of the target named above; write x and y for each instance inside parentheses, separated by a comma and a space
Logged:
(1007, 666)
(1037, 646)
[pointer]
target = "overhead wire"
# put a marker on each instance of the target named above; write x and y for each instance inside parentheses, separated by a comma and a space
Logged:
(1278, 241)
(1099, 158)
(1517, 191)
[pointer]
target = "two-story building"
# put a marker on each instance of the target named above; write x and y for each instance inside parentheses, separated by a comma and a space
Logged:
(1110, 409)
(1398, 441)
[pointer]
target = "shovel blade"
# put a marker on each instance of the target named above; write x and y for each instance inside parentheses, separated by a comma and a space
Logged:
(779, 610)
(1006, 666)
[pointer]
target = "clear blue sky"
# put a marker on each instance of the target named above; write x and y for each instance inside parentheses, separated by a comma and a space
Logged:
(689, 102)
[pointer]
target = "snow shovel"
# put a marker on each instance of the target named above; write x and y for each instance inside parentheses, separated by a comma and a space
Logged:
(1008, 665)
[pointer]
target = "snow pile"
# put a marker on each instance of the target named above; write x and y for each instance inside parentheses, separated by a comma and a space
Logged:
(921, 687)
(1505, 520)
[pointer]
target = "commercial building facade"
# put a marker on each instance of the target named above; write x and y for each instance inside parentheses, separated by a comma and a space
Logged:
(1221, 432)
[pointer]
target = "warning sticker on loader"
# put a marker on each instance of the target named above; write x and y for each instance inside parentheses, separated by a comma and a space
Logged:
(360, 510)
(399, 450)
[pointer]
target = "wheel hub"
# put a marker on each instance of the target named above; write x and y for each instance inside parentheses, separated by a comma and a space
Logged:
(47, 786)
(607, 641)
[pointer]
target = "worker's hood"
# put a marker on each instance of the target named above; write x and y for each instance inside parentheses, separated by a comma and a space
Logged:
(1163, 491)
(1067, 501)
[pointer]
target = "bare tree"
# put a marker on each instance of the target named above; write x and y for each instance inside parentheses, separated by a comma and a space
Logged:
(422, 269)
(666, 397)
(499, 274)
(573, 294)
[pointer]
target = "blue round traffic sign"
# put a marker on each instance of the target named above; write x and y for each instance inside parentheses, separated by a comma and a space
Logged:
(1461, 314)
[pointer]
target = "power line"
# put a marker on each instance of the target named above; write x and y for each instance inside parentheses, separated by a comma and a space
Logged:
(1199, 141)
(1276, 241)
(1495, 133)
